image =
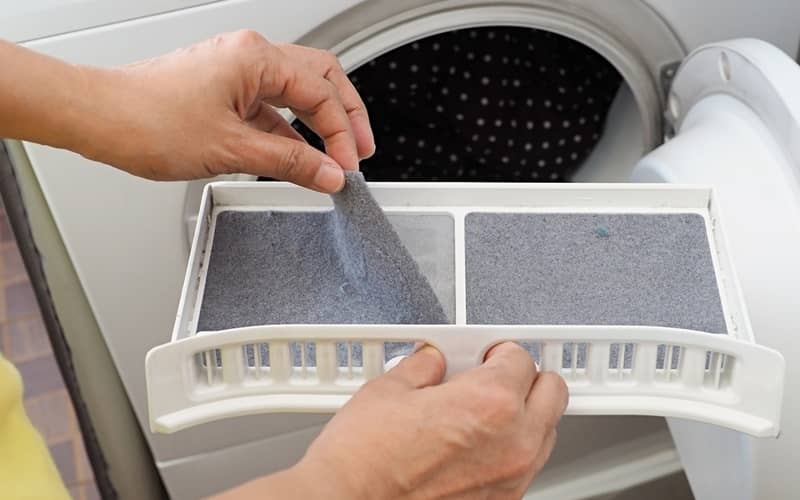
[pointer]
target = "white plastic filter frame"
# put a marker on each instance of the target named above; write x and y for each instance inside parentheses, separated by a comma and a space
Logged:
(726, 380)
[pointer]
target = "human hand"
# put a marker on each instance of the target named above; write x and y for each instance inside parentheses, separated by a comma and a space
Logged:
(483, 434)
(210, 109)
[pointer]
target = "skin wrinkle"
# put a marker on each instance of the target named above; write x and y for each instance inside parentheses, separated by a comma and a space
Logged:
(266, 119)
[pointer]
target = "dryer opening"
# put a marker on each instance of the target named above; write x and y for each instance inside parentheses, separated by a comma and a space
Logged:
(494, 103)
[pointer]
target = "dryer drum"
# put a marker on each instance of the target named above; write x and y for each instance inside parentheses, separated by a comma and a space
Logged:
(484, 104)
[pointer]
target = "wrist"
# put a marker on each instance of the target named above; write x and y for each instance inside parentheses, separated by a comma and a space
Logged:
(319, 479)
(96, 121)
(99, 117)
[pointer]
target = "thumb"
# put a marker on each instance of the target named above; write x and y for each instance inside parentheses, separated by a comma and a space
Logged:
(289, 160)
(421, 369)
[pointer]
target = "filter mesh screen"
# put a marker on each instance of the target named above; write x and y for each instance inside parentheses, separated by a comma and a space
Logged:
(592, 269)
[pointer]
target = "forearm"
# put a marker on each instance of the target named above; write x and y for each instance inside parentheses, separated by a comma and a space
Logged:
(300, 481)
(279, 485)
(45, 100)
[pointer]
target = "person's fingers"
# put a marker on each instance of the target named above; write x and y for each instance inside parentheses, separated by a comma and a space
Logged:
(511, 364)
(421, 369)
(289, 160)
(547, 400)
(356, 111)
(325, 120)
(543, 452)
(267, 119)
(328, 66)
(314, 100)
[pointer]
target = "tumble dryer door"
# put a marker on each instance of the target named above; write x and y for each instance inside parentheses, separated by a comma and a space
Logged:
(735, 111)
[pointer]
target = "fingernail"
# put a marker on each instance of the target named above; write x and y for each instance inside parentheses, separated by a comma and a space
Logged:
(429, 349)
(538, 367)
(329, 178)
